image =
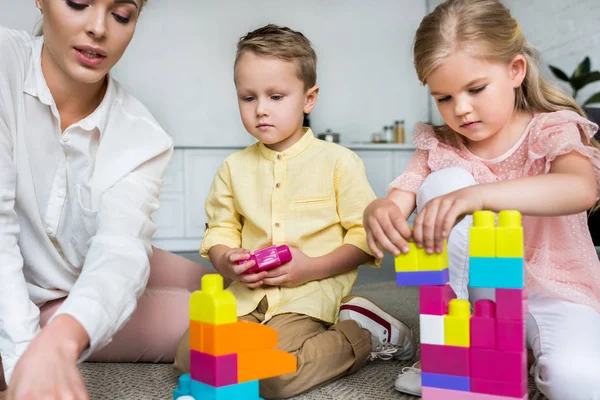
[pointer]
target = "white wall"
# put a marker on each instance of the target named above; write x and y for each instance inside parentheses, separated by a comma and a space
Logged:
(180, 62)
(565, 31)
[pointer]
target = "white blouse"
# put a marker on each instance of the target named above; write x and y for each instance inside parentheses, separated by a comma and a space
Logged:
(75, 206)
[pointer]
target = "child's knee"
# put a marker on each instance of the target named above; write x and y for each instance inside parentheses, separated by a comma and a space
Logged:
(182, 355)
(566, 377)
(279, 387)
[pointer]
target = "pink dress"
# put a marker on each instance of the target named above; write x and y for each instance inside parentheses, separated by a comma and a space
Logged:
(560, 257)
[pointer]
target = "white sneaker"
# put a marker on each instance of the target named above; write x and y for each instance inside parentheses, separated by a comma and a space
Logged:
(390, 338)
(409, 381)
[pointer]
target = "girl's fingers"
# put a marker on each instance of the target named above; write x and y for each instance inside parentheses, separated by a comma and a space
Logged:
(373, 246)
(440, 233)
(394, 236)
(382, 239)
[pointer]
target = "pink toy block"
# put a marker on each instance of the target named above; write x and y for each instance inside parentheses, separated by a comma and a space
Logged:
(499, 388)
(268, 258)
(483, 325)
(214, 371)
(507, 366)
(449, 360)
(433, 300)
(510, 335)
(511, 304)
(430, 393)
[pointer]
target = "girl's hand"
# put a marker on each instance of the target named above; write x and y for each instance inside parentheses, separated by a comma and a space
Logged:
(293, 273)
(236, 271)
(437, 218)
(386, 226)
(48, 368)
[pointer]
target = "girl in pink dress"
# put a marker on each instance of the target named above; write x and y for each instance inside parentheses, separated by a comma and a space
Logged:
(510, 140)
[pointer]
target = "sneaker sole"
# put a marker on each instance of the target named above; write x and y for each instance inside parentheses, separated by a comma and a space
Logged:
(376, 309)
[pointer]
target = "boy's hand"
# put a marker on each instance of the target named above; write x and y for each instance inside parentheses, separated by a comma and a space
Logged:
(235, 271)
(437, 218)
(293, 273)
(385, 225)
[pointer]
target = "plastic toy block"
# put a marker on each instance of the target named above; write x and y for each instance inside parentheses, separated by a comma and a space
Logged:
(483, 325)
(430, 393)
(421, 278)
(184, 388)
(214, 371)
(237, 337)
(418, 260)
(482, 236)
(212, 304)
(433, 300)
(506, 366)
(432, 329)
(449, 360)
(442, 381)
(509, 234)
(268, 258)
(510, 335)
(264, 364)
(434, 261)
(500, 388)
(407, 262)
(504, 273)
(194, 390)
(456, 323)
(511, 304)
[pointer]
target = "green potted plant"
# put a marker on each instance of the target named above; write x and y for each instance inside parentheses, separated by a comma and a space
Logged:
(581, 77)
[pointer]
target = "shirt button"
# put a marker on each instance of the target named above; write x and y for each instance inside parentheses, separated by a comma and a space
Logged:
(279, 156)
(49, 230)
(278, 185)
(277, 224)
(66, 138)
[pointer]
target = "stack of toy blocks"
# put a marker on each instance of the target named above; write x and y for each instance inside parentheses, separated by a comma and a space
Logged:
(480, 357)
(227, 357)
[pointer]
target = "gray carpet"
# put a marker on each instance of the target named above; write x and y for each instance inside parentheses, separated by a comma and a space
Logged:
(374, 381)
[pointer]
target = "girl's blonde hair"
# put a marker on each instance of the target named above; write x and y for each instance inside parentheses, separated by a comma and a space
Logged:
(40, 30)
(486, 29)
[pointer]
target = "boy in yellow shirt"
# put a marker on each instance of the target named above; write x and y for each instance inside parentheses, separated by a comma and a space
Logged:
(291, 188)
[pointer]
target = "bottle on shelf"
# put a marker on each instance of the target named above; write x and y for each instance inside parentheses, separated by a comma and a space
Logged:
(399, 131)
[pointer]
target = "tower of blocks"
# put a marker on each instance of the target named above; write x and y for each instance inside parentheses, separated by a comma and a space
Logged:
(227, 356)
(480, 356)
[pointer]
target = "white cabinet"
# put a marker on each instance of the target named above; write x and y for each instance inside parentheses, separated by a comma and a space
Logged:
(181, 219)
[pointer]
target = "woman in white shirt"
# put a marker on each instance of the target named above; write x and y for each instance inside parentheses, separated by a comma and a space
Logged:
(81, 163)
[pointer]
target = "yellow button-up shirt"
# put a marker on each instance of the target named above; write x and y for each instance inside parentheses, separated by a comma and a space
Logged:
(310, 196)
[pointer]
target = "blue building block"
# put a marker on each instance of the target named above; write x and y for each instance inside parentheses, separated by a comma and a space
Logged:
(497, 273)
(422, 278)
(442, 381)
(199, 391)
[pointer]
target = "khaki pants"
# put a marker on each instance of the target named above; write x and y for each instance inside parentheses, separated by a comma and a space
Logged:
(324, 352)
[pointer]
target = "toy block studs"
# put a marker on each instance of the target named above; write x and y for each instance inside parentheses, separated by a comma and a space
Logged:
(457, 324)
(482, 239)
(509, 234)
(212, 304)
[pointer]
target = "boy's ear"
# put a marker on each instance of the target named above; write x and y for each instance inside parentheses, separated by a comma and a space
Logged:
(517, 69)
(311, 99)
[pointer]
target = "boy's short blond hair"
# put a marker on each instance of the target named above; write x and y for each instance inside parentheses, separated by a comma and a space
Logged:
(282, 42)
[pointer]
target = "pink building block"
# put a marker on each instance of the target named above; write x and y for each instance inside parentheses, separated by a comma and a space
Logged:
(430, 393)
(507, 366)
(450, 360)
(483, 325)
(433, 300)
(499, 388)
(268, 258)
(511, 304)
(510, 335)
(212, 370)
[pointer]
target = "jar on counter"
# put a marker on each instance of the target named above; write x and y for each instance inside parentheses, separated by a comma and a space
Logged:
(399, 131)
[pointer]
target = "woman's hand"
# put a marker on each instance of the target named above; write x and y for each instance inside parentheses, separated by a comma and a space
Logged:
(48, 368)
(386, 226)
(294, 273)
(437, 218)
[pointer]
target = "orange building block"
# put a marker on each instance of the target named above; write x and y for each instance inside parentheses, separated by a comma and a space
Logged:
(264, 364)
(241, 336)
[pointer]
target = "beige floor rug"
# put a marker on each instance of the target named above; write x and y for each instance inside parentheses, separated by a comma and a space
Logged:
(374, 381)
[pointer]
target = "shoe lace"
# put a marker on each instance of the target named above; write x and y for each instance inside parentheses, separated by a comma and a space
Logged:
(406, 370)
(384, 352)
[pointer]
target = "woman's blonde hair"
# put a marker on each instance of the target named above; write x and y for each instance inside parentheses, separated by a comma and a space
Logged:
(39, 31)
(486, 29)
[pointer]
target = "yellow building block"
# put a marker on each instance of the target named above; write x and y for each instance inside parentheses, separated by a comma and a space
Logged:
(238, 337)
(212, 304)
(482, 242)
(457, 324)
(407, 262)
(509, 234)
(434, 261)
